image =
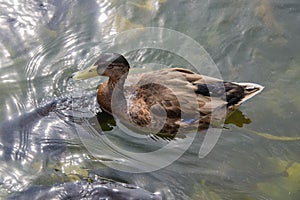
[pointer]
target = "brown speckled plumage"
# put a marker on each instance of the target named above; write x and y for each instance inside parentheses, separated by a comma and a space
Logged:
(167, 99)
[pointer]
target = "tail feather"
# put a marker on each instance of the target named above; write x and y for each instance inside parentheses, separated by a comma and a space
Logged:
(250, 90)
(233, 93)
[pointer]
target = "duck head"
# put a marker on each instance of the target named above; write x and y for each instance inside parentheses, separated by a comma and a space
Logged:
(112, 65)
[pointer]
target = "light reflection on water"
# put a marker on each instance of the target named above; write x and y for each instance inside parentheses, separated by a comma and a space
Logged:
(43, 43)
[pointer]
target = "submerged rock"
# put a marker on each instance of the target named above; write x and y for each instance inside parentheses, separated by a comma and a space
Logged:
(21, 141)
(86, 190)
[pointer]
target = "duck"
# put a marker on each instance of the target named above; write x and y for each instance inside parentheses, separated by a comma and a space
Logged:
(164, 101)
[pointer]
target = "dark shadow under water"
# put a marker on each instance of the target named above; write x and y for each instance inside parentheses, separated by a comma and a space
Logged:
(19, 142)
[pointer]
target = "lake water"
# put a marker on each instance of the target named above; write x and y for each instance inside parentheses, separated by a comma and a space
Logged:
(44, 42)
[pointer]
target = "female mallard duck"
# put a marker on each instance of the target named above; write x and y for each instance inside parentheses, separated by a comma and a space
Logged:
(164, 100)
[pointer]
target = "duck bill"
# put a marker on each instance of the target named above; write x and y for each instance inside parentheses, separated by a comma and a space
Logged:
(90, 72)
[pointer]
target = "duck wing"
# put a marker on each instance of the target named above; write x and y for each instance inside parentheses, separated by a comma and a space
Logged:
(179, 96)
(169, 96)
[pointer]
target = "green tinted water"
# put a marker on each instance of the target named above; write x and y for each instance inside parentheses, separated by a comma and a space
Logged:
(250, 41)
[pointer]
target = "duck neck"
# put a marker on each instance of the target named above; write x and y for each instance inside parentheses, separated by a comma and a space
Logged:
(116, 94)
(116, 82)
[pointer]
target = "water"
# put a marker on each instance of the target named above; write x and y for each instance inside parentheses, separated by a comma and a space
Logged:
(44, 42)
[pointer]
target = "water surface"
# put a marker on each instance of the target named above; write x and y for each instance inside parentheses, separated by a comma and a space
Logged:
(44, 42)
